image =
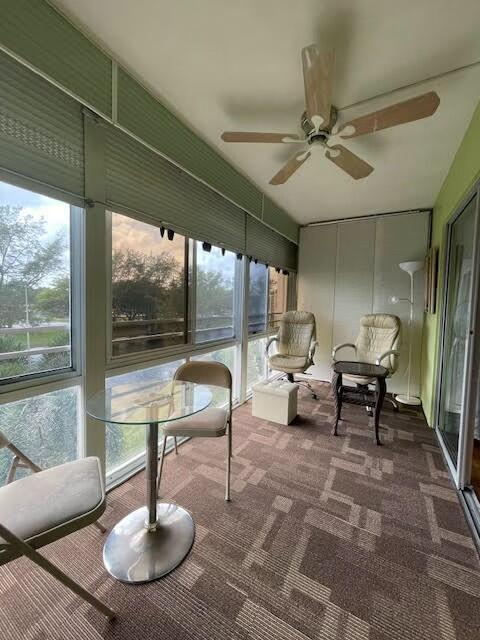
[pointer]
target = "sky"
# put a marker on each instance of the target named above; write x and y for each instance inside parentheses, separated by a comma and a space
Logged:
(55, 213)
(128, 233)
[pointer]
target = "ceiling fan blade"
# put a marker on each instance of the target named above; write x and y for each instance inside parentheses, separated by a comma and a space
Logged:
(289, 169)
(254, 136)
(408, 111)
(348, 161)
(318, 80)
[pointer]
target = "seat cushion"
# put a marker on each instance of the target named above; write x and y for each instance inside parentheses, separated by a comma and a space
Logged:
(288, 364)
(210, 423)
(357, 379)
(42, 501)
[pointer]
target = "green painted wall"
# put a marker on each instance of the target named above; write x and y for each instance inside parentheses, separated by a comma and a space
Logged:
(464, 171)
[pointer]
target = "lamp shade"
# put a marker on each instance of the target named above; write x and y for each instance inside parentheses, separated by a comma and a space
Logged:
(412, 266)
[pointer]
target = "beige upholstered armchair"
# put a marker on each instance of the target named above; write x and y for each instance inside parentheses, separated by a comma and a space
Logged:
(296, 345)
(377, 343)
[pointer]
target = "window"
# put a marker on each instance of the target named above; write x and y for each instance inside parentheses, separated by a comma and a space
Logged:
(44, 427)
(277, 296)
(256, 362)
(215, 294)
(35, 284)
(149, 293)
(126, 442)
(257, 298)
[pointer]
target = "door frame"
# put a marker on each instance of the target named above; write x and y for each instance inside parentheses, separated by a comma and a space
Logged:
(461, 472)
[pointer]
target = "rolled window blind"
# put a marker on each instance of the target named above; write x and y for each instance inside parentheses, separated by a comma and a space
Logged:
(41, 129)
(140, 180)
(268, 246)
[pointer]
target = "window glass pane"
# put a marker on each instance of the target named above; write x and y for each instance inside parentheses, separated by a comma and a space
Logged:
(277, 296)
(257, 298)
(228, 358)
(148, 287)
(125, 442)
(43, 427)
(34, 283)
(215, 294)
(256, 363)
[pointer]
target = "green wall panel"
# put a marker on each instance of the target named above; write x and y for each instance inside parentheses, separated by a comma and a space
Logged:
(461, 177)
(277, 218)
(147, 118)
(33, 30)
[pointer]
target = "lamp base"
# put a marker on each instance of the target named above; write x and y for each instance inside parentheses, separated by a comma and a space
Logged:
(411, 400)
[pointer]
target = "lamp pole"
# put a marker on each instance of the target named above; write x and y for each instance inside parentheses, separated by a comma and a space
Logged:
(411, 268)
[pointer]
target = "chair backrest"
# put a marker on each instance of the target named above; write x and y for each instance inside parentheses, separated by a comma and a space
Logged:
(379, 332)
(296, 332)
(205, 372)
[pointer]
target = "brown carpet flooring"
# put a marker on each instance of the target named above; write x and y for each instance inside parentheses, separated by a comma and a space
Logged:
(324, 538)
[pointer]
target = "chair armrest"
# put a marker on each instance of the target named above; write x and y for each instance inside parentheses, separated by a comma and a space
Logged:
(341, 346)
(311, 351)
(391, 352)
(269, 342)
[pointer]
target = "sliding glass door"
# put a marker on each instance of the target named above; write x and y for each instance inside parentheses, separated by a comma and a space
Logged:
(458, 382)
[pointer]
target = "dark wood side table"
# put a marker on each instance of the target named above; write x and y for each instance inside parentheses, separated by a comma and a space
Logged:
(360, 395)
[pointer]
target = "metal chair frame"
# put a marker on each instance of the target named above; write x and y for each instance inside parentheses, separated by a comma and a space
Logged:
(16, 546)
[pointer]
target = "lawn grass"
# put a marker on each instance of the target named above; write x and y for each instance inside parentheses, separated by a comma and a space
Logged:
(38, 338)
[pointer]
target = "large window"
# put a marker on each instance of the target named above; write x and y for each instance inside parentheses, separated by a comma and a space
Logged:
(215, 294)
(149, 293)
(277, 296)
(257, 298)
(35, 284)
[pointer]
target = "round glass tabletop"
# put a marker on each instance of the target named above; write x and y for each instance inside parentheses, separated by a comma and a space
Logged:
(146, 402)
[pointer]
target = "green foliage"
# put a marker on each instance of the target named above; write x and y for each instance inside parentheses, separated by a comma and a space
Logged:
(11, 368)
(27, 258)
(214, 294)
(54, 302)
(146, 286)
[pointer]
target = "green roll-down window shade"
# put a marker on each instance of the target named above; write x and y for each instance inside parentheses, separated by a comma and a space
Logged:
(41, 129)
(268, 246)
(140, 180)
(36, 32)
(140, 113)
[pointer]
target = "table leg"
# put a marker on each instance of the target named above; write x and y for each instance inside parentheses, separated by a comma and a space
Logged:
(151, 541)
(337, 396)
(381, 389)
(152, 473)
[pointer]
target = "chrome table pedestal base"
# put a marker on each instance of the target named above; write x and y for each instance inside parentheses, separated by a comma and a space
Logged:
(133, 553)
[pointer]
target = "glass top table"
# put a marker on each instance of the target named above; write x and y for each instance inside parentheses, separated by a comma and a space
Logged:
(151, 541)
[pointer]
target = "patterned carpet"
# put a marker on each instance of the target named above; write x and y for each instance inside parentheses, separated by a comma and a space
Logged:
(324, 538)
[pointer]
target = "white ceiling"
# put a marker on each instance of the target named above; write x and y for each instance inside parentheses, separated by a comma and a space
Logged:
(235, 65)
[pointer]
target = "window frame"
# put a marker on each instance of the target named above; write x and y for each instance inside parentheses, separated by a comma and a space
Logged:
(12, 387)
(45, 382)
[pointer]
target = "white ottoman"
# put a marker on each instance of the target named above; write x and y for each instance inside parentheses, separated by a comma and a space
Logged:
(275, 401)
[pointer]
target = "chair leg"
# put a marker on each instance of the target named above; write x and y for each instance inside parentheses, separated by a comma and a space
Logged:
(160, 469)
(53, 570)
(229, 459)
(392, 402)
(100, 527)
(175, 443)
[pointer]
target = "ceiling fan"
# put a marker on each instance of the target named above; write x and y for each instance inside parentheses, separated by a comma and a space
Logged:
(320, 117)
